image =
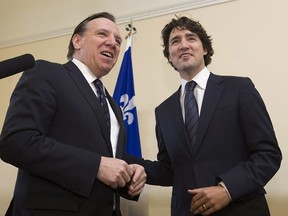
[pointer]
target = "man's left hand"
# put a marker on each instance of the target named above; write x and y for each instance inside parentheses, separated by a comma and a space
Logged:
(208, 200)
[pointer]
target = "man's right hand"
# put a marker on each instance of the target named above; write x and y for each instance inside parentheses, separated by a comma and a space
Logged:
(114, 172)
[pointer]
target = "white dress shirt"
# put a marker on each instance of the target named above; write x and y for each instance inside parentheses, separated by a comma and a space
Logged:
(201, 80)
(90, 77)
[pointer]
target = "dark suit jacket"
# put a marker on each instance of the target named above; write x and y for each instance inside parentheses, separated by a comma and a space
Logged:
(236, 144)
(55, 133)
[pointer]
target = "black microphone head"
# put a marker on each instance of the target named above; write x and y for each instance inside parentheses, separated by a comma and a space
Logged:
(15, 65)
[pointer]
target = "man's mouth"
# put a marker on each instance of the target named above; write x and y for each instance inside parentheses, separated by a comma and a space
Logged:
(185, 55)
(107, 54)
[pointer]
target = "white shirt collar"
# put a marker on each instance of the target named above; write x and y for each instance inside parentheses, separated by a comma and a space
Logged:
(89, 76)
(201, 79)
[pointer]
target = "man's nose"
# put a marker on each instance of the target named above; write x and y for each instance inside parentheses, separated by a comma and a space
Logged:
(183, 44)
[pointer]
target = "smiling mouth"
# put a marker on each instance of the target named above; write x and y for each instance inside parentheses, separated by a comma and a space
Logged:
(185, 55)
(107, 54)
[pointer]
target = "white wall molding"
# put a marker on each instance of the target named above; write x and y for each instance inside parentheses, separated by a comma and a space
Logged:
(176, 8)
(124, 18)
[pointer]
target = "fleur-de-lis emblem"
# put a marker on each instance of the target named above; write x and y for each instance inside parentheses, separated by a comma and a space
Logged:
(127, 105)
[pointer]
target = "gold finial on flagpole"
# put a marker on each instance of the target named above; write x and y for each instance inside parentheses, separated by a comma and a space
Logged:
(131, 30)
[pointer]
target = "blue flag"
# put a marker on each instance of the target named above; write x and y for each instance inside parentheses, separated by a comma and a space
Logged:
(124, 95)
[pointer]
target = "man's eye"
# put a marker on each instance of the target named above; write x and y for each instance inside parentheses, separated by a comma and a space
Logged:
(174, 42)
(118, 42)
(102, 33)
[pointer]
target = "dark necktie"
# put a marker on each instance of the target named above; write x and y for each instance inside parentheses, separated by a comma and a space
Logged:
(191, 112)
(101, 96)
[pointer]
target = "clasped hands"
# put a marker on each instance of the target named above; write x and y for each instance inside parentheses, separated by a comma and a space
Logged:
(117, 173)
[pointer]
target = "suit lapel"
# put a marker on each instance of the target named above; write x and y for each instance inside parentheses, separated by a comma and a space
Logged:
(213, 92)
(171, 113)
(121, 142)
(174, 119)
(91, 99)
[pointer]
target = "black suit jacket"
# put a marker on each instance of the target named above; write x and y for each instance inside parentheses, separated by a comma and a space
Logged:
(236, 144)
(55, 133)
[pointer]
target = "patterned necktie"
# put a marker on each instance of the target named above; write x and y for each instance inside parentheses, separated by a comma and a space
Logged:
(191, 112)
(101, 96)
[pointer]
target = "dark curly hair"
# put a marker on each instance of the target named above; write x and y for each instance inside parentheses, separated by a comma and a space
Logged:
(81, 28)
(182, 23)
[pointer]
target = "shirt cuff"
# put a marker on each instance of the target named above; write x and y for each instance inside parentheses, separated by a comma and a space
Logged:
(223, 185)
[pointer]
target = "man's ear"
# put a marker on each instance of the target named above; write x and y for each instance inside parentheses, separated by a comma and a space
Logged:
(205, 52)
(76, 40)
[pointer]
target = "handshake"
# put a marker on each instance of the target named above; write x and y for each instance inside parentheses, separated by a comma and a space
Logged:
(117, 173)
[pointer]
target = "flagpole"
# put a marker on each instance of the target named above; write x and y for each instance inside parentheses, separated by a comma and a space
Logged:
(124, 95)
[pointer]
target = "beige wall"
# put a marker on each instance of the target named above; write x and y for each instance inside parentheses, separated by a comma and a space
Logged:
(249, 38)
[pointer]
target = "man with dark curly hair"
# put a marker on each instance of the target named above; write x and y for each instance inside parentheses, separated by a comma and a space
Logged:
(217, 145)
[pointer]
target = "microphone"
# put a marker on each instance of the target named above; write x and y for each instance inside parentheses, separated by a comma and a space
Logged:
(15, 65)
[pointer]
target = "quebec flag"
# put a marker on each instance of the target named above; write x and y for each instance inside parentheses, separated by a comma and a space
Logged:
(124, 95)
